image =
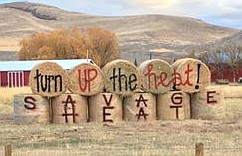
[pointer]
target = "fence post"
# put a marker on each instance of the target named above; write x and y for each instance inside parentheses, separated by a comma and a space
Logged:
(8, 150)
(199, 149)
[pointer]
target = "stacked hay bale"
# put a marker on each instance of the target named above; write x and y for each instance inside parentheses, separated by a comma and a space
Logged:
(86, 79)
(69, 108)
(191, 75)
(121, 77)
(129, 93)
(48, 79)
(106, 108)
(173, 105)
(140, 107)
(30, 109)
(208, 104)
(156, 76)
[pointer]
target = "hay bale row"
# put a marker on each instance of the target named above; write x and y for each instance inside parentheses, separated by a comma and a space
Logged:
(67, 109)
(140, 107)
(120, 77)
(49, 79)
(74, 108)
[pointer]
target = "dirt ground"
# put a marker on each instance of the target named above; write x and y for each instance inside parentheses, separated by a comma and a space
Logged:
(165, 138)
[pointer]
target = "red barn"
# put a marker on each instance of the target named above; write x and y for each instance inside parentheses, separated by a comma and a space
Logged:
(225, 74)
(16, 73)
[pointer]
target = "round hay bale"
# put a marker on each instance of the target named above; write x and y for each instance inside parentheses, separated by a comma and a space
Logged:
(30, 109)
(48, 79)
(140, 107)
(156, 76)
(191, 75)
(105, 108)
(173, 105)
(69, 109)
(86, 79)
(208, 104)
(121, 77)
(233, 101)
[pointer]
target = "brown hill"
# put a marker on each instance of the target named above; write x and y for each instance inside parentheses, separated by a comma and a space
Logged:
(138, 35)
(233, 39)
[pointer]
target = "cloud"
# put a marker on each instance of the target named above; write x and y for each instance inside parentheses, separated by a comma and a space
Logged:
(184, 7)
(149, 3)
(222, 12)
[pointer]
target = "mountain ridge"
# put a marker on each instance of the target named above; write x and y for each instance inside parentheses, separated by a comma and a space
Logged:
(162, 35)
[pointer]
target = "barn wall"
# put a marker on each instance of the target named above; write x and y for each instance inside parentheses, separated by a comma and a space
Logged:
(227, 73)
(26, 78)
(4, 79)
(14, 78)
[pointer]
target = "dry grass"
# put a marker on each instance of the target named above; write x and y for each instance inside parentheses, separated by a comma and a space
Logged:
(9, 44)
(6, 98)
(165, 138)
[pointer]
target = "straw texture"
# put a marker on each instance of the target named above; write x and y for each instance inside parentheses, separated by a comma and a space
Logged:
(121, 77)
(173, 105)
(86, 79)
(208, 104)
(140, 107)
(48, 79)
(30, 109)
(191, 75)
(156, 76)
(105, 108)
(69, 109)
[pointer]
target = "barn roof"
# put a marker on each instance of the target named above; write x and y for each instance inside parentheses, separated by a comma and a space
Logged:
(28, 65)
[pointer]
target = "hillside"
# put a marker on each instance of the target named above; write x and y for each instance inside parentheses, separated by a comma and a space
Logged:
(143, 34)
(235, 39)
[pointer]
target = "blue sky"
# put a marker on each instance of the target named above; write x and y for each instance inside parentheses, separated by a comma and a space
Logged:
(226, 13)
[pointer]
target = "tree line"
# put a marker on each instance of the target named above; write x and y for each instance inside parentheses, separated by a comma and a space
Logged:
(221, 55)
(99, 44)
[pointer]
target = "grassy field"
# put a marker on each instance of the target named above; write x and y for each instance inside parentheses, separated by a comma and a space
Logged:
(168, 138)
(165, 138)
(9, 44)
(6, 98)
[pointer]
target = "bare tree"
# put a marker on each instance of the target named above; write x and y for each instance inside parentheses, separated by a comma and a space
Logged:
(204, 55)
(233, 52)
(220, 58)
(214, 56)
